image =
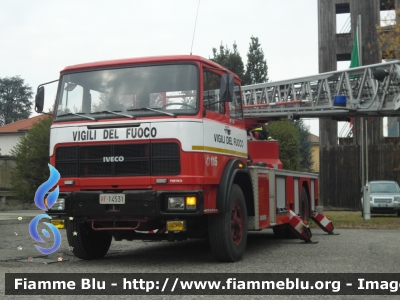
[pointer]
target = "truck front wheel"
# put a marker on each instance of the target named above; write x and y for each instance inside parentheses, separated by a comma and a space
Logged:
(86, 242)
(228, 231)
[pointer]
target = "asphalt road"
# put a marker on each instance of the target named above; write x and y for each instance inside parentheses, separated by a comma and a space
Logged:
(353, 251)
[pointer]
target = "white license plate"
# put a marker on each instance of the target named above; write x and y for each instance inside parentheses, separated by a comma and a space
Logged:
(112, 199)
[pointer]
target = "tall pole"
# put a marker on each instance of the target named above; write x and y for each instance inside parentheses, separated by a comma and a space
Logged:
(358, 32)
(366, 123)
(359, 40)
(366, 191)
(366, 150)
(366, 206)
(362, 119)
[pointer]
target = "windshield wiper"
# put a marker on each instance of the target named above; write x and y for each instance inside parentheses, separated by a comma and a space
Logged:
(152, 109)
(115, 112)
(212, 103)
(79, 115)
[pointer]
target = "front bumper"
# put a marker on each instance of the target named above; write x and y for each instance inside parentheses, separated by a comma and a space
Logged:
(138, 204)
(387, 205)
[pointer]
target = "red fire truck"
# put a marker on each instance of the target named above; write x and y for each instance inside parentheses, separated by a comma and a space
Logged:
(157, 148)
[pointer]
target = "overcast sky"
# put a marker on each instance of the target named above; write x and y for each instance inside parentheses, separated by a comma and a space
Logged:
(39, 38)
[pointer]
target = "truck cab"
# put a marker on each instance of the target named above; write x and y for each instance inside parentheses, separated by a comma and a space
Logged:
(141, 142)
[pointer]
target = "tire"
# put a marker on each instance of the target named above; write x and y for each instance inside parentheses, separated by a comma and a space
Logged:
(398, 213)
(228, 231)
(87, 243)
(304, 206)
(282, 232)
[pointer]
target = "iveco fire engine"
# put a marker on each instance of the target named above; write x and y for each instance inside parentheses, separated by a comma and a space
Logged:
(157, 148)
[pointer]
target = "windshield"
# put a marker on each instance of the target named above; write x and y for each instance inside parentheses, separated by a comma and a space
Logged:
(386, 187)
(130, 91)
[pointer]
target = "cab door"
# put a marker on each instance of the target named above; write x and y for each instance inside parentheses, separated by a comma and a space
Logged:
(224, 134)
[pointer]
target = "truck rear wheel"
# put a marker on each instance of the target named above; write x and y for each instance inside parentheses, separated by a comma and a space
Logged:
(304, 206)
(87, 243)
(228, 231)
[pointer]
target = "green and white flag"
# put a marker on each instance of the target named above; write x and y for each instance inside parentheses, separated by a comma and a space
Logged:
(355, 60)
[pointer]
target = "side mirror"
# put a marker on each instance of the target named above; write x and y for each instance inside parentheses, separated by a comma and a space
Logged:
(226, 89)
(39, 99)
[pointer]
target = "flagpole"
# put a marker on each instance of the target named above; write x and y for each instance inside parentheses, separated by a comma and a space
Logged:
(364, 171)
(359, 37)
(357, 33)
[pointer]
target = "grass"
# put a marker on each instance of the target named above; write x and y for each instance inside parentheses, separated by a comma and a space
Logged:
(354, 220)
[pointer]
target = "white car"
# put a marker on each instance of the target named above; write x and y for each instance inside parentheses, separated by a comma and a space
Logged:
(384, 197)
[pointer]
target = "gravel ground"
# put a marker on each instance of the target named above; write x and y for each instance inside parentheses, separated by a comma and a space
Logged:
(353, 251)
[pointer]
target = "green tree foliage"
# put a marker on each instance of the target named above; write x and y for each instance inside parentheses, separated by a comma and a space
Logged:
(289, 143)
(389, 36)
(15, 100)
(256, 67)
(229, 59)
(31, 159)
(306, 162)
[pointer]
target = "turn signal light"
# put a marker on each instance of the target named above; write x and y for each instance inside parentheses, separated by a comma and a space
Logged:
(191, 202)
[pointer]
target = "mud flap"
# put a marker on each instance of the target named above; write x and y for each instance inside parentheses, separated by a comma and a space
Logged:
(299, 228)
(323, 222)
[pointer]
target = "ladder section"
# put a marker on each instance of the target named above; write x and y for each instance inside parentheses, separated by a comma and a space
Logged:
(372, 90)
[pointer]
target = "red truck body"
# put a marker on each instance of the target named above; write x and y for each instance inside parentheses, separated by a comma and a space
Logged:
(157, 148)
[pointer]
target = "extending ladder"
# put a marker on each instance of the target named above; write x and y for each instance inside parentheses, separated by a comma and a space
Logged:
(372, 90)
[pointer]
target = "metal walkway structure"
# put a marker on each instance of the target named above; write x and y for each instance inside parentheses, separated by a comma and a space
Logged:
(372, 90)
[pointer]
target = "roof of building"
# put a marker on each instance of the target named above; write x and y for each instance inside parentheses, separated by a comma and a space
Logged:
(314, 139)
(21, 125)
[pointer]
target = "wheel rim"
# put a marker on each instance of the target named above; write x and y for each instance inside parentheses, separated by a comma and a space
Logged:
(237, 223)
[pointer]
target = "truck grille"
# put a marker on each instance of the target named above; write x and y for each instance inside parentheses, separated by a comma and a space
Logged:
(138, 160)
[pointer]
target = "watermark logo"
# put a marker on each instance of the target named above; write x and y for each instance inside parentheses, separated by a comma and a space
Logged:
(45, 205)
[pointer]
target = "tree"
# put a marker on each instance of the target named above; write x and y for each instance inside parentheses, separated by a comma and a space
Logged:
(289, 143)
(305, 145)
(229, 59)
(256, 67)
(15, 103)
(31, 159)
(389, 36)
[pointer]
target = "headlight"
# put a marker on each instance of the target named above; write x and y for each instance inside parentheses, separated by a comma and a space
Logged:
(59, 204)
(176, 203)
(188, 203)
(397, 198)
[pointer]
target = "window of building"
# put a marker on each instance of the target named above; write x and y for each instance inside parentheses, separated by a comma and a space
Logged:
(343, 18)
